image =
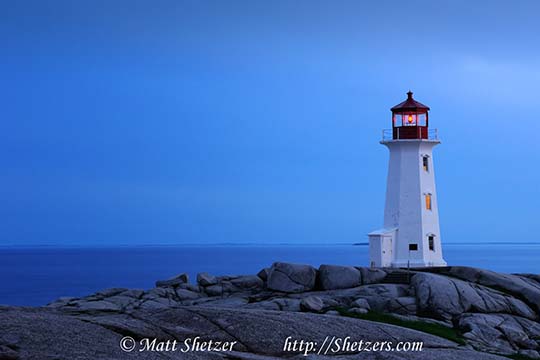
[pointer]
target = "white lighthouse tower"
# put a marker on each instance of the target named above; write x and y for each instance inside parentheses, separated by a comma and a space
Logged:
(410, 235)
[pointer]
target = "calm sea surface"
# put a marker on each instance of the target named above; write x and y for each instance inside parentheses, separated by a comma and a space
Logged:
(36, 276)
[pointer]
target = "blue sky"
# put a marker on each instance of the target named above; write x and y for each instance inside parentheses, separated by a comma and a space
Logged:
(168, 122)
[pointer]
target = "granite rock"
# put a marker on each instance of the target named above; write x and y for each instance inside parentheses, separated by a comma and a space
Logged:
(333, 277)
(291, 278)
(174, 281)
(205, 279)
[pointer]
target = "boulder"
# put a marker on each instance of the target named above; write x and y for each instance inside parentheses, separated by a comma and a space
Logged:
(191, 287)
(377, 303)
(185, 294)
(312, 304)
(214, 290)
(333, 313)
(291, 278)
(172, 282)
(249, 282)
(231, 285)
(501, 333)
(522, 287)
(292, 305)
(360, 303)
(359, 311)
(378, 295)
(444, 298)
(371, 275)
(333, 277)
(205, 279)
(263, 274)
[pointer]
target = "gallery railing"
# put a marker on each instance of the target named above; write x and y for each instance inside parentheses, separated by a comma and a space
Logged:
(410, 133)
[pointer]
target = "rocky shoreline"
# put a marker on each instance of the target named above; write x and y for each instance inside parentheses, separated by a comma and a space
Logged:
(491, 314)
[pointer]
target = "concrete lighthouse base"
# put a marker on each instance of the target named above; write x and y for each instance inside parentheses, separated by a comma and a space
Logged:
(417, 264)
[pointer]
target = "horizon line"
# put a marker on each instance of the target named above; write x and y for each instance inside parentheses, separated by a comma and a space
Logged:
(120, 245)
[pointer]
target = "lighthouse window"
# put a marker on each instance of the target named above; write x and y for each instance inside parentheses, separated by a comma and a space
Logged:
(398, 120)
(422, 120)
(413, 247)
(428, 201)
(425, 162)
(431, 241)
(409, 120)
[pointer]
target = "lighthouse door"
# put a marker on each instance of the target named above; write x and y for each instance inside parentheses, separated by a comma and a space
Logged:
(386, 250)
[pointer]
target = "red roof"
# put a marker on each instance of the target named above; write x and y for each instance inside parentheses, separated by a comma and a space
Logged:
(410, 105)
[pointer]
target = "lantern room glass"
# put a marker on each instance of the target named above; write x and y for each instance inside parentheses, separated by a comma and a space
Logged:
(410, 119)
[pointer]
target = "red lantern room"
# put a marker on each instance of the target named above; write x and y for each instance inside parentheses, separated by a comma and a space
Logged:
(410, 119)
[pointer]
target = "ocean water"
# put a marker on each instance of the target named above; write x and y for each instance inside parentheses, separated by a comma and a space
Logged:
(36, 276)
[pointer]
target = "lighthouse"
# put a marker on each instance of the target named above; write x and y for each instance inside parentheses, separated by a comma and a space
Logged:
(410, 235)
